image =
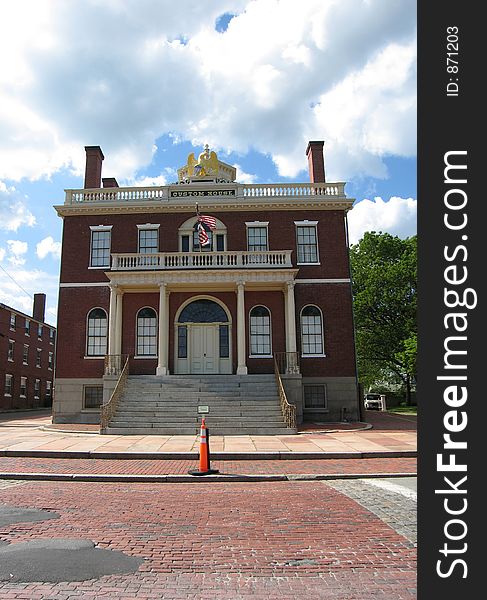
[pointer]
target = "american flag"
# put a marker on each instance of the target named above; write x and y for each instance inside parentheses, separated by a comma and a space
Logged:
(202, 235)
(207, 220)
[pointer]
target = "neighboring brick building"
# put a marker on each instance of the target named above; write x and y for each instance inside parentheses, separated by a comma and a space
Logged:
(27, 357)
(267, 277)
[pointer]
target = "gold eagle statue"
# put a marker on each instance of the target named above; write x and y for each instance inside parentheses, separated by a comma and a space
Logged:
(207, 164)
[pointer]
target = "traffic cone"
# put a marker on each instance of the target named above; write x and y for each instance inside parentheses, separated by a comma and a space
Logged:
(204, 452)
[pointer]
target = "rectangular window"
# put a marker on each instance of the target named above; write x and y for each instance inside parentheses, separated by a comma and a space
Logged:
(220, 242)
(38, 357)
(307, 242)
(148, 241)
(93, 396)
(49, 362)
(182, 341)
(11, 348)
(25, 355)
(315, 397)
(257, 239)
(27, 327)
(37, 388)
(196, 241)
(23, 387)
(100, 247)
(185, 243)
(224, 342)
(48, 390)
(12, 321)
(39, 332)
(52, 335)
(9, 384)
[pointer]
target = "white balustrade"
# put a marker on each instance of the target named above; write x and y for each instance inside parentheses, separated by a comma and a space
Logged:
(201, 260)
(213, 191)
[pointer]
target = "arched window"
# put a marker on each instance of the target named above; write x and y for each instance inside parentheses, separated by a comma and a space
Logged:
(260, 331)
(203, 311)
(146, 332)
(96, 338)
(311, 331)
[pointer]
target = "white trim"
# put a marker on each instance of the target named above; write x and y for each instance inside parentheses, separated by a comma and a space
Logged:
(309, 263)
(102, 356)
(86, 334)
(142, 356)
(256, 223)
(149, 226)
(136, 347)
(305, 223)
(101, 227)
(260, 356)
(313, 355)
(322, 280)
(322, 355)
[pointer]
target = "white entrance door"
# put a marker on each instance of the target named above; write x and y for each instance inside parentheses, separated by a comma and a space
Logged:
(204, 349)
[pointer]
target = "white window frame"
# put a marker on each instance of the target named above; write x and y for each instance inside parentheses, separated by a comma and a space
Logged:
(13, 321)
(87, 337)
(305, 223)
(39, 331)
(148, 227)
(137, 355)
(187, 228)
(11, 351)
(23, 384)
(27, 327)
(98, 228)
(50, 361)
(49, 390)
(37, 388)
(257, 225)
(38, 358)
(303, 355)
(251, 354)
(10, 386)
(25, 354)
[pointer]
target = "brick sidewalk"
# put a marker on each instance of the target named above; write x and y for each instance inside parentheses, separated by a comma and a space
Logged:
(274, 541)
(181, 467)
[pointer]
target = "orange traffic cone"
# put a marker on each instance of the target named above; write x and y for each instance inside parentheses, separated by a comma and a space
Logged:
(204, 452)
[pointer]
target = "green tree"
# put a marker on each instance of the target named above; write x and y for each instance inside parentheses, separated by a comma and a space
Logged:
(384, 283)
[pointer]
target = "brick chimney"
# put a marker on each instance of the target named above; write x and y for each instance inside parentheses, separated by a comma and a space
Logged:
(109, 182)
(94, 158)
(39, 309)
(316, 163)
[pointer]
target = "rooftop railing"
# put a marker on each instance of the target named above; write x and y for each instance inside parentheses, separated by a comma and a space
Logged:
(205, 189)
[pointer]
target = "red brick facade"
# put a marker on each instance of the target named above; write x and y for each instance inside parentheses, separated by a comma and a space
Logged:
(323, 283)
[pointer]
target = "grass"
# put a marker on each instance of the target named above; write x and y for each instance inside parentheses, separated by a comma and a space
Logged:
(404, 410)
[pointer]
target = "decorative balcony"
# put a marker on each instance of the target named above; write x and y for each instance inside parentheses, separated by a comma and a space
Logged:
(214, 191)
(202, 260)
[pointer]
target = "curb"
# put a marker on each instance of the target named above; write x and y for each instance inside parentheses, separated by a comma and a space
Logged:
(88, 454)
(192, 479)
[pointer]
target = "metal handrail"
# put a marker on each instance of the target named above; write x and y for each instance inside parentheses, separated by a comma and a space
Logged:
(288, 410)
(288, 363)
(108, 410)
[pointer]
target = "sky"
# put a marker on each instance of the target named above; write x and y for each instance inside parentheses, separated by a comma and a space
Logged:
(152, 80)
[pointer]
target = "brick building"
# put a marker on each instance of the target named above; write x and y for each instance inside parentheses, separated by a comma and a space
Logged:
(206, 277)
(27, 357)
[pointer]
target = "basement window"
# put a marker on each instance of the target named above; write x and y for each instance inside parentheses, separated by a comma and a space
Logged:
(315, 397)
(93, 396)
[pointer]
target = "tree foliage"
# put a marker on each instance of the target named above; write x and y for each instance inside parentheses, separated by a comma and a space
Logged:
(384, 281)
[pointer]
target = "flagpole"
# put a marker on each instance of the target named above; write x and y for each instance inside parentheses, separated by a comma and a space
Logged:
(198, 230)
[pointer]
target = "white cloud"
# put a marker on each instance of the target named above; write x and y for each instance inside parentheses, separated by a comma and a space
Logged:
(48, 246)
(342, 71)
(13, 211)
(17, 249)
(243, 177)
(397, 217)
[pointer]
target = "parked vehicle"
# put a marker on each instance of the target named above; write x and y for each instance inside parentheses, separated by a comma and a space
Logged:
(372, 402)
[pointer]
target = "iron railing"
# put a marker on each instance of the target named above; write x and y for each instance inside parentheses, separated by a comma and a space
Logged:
(287, 363)
(112, 365)
(288, 410)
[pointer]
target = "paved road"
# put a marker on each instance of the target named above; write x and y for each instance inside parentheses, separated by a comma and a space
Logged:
(283, 540)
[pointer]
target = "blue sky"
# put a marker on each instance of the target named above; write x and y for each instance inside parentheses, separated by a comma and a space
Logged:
(152, 80)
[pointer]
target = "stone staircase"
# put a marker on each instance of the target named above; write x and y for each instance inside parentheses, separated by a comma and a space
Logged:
(168, 405)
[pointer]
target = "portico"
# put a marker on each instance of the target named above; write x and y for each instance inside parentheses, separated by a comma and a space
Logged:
(205, 336)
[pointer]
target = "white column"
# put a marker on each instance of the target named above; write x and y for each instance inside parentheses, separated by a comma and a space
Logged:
(163, 340)
(112, 320)
(241, 363)
(290, 318)
(118, 323)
